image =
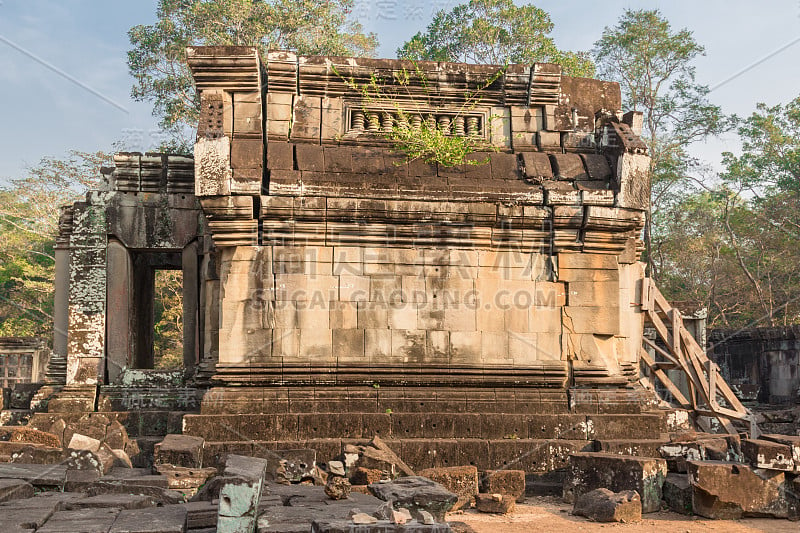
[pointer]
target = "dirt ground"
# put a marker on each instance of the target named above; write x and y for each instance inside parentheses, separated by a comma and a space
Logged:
(542, 515)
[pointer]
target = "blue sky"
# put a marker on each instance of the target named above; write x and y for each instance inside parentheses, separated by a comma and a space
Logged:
(45, 114)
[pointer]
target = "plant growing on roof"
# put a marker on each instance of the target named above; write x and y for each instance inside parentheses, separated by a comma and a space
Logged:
(413, 127)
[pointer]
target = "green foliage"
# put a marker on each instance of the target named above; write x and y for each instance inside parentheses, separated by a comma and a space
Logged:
(28, 225)
(157, 60)
(416, 134)
(168, 320)
(654, 66)
(494, 32)
(771, 151)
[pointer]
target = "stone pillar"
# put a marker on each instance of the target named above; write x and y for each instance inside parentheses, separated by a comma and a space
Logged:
(61, 303)
(119, 346)
(191, 300)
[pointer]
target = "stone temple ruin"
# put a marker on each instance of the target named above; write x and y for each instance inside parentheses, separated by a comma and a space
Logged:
(488, 316)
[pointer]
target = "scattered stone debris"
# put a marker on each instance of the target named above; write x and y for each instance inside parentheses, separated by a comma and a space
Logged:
(337, 488)
(416, 494)
(460, 480)
(603, 505)
(506, 482)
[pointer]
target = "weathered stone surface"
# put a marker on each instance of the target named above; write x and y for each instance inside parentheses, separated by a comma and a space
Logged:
(34, 436)
(769, 454)
(83, 520)
(460, 480)
(166, 519)
(162, 495)
(494, 503)
(506, 482)
(180, 450)
(678, 493)
(618, 473)
(83, 442)
(337, 488)
(51, 476)
(120, 501)
(730, 491)
(416, 493)
(186, 480)
(690, 446)
(603, 505)
(238, 499)
(15, 489)
(365, 476)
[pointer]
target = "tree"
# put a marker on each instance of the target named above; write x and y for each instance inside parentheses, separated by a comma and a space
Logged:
(495, 32)
(653, 65)
(28, 227)
(158, 58)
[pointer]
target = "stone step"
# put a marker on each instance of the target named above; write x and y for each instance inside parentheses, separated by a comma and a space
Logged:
(267, 427)
(137, 423)
(531, 455)
(635, 447)
(281, 400)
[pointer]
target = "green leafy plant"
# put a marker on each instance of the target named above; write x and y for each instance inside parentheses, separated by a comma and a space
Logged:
(414, 131)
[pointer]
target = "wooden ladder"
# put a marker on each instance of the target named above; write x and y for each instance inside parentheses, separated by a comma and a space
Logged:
(705, 384)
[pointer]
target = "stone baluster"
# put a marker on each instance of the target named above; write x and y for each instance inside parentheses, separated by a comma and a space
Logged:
(374, 122)
(416, 122)
(387, 121)
(444, 124)
(358, 120)
(472, 126)
(458, 126)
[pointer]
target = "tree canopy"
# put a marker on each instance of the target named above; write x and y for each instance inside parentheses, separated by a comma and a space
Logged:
(654, 66)
(157, 60)
(495, 32)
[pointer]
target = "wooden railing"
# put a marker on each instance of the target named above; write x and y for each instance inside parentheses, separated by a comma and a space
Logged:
(708, 393)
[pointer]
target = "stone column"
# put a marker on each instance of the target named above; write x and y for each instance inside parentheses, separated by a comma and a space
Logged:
(191, 300)
(119, 346)
(61, 303)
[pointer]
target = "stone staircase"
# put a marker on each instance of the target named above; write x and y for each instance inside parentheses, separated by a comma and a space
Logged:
(532, 430)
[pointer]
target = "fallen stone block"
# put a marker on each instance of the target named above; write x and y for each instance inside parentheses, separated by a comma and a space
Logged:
(101, 460)
(375, 456)
(200, 514)
(416, 494)
(238, 500)
(291, 465)
(37, 454)
(167, 519)
(185, 480)
(618, 473)
(692, 446)
(83, 520)
(337, 488)
(34, 436)
(603, 505)
(383, 526)
(401, 516)
(678, 493)
(460, 480)
(180, 450)
(40, 476)
(729, 491)
(15, 489)
(120, 501)
(494, 503)
(365, 476)
(162, 495)
(80, 480)
(793, 441)
(768, 454)
(82, 442)
(506, 482)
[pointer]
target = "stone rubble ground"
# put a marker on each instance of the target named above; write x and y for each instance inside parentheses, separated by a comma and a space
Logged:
(49, 488)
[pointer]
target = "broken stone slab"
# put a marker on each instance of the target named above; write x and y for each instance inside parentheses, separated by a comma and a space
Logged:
(79, 480)
(180, 450)
(83, 442)
(507, 482)
(678, 493)
(416, 494)
(83, 520)
(363, 519)
(101, 460)
(603, 505)
(693, 446)
(238, 500)
(120, 501)
(587, 471)
(769, 454)
(793, 441)
(460, 480)
(167, 519)
(200, 514)
(34, 436)
(38, 455)
(15, 489)
(41, 476)
(186, 480)
(401, 516)
(336, 468)
(161, 495)
(729, 491)
(494, 503)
